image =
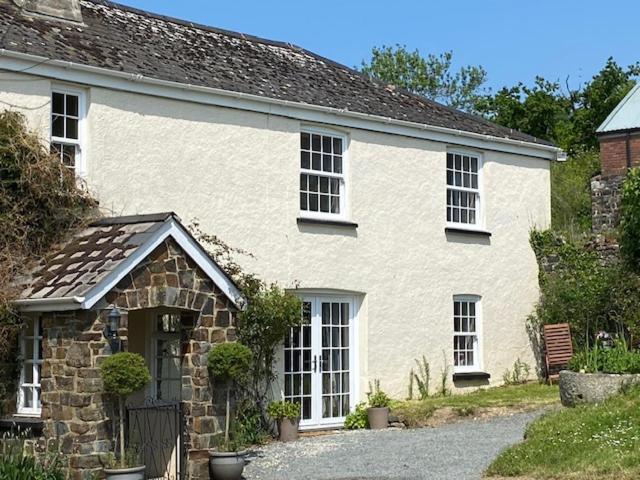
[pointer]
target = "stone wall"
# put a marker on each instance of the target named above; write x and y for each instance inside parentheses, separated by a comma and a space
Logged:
(77, 416)
(605, 202)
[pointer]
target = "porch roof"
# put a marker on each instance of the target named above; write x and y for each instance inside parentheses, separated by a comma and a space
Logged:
(92, 263)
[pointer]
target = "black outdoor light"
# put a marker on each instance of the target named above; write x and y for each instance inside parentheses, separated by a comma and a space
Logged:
(111, 330)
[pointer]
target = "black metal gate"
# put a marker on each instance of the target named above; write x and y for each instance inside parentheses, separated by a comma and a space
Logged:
(155, 432)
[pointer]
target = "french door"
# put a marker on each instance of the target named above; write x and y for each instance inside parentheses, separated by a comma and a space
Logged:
(319, 360)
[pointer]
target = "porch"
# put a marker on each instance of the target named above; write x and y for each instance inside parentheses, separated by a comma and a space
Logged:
(173, 303)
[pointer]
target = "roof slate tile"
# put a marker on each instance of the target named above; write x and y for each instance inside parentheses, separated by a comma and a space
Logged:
(127, 40)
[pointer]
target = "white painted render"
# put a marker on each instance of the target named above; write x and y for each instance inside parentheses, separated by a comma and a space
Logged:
(237, 172)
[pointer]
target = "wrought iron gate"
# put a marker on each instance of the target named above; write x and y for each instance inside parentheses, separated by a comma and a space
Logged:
(155, 431)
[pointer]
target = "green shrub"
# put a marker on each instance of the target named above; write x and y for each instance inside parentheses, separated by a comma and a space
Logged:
(376, 397)
(630, 219)
(571, 193)
(15, 466)
(583, 292)
(40, 203)
(248, 428)
(282, 409)
(124, 374)
(230, 363)
(358, 419)
(618, 359)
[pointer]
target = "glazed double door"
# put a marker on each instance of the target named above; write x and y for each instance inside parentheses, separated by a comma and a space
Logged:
(319, 357)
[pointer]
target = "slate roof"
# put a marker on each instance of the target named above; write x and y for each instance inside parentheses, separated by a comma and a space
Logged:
(91, 255)
(128, 40)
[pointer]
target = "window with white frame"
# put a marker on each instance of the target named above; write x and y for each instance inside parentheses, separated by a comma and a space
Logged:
(463, 189)
(322, 180)
(466, 337)
(66, 118)
(31, 352)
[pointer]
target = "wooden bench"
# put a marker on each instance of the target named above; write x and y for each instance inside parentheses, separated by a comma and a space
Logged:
(558, 348)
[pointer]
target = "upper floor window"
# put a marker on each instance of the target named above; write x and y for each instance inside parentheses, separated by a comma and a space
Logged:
(463, 189)
(322, 179)
(466, 336)
(66, 126)
(31, 350)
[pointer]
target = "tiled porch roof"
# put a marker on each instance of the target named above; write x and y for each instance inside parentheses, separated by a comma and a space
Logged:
(104, 251)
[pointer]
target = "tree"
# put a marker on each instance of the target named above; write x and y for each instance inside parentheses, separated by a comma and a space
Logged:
(565, 116)
(541, 110)
(229, 363)
(124, 374)
(430, 76)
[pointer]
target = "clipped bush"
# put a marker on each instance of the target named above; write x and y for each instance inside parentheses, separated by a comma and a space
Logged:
(230, 363)
(124, 374)
(281, 409)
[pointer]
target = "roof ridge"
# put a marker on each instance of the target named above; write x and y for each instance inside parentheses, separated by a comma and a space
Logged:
(133, 219)
(294, 47)
(188, 23)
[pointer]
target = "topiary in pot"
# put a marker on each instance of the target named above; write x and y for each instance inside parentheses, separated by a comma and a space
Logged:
(123, 374)
(378, 411)
(287, 415)
(229, 363)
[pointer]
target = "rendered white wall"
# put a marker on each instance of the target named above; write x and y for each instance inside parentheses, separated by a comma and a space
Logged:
(237, 172)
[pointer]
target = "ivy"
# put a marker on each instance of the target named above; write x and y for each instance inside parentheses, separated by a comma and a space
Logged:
(578, 289)
(630, 220)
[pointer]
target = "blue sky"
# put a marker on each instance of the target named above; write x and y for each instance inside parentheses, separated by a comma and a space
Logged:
(514, 40)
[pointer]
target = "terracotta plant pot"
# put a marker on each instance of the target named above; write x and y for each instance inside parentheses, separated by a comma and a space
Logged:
(226, 465)
(378, 418)
(288, 429)
(134, 473)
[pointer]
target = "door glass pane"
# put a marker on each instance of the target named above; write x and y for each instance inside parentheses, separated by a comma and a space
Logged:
(298, 364)
(327, 367)
(335, 352)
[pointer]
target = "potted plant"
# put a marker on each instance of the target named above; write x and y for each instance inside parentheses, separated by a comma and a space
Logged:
(229, 363)
(287, 416)
(124, 374)
(378, 411)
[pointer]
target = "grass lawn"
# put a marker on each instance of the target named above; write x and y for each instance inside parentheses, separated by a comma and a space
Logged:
(529, 395)
(587, 442)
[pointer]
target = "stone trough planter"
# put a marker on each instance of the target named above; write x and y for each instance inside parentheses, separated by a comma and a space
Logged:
(577, 388)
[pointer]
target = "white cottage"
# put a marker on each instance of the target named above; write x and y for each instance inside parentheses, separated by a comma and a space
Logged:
(403, 224)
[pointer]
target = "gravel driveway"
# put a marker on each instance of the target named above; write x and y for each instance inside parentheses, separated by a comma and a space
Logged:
(457, 451)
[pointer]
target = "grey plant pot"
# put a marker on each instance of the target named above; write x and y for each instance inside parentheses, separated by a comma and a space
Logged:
(288, 429)
(378, 418)
(227, 465)
(134, 473)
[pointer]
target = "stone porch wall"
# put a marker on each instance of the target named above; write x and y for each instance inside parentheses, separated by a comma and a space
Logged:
(77, 416)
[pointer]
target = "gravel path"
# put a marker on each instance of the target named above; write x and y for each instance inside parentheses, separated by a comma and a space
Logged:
(458, 451)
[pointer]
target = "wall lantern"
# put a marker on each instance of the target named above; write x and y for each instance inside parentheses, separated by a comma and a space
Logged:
(111, 330)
